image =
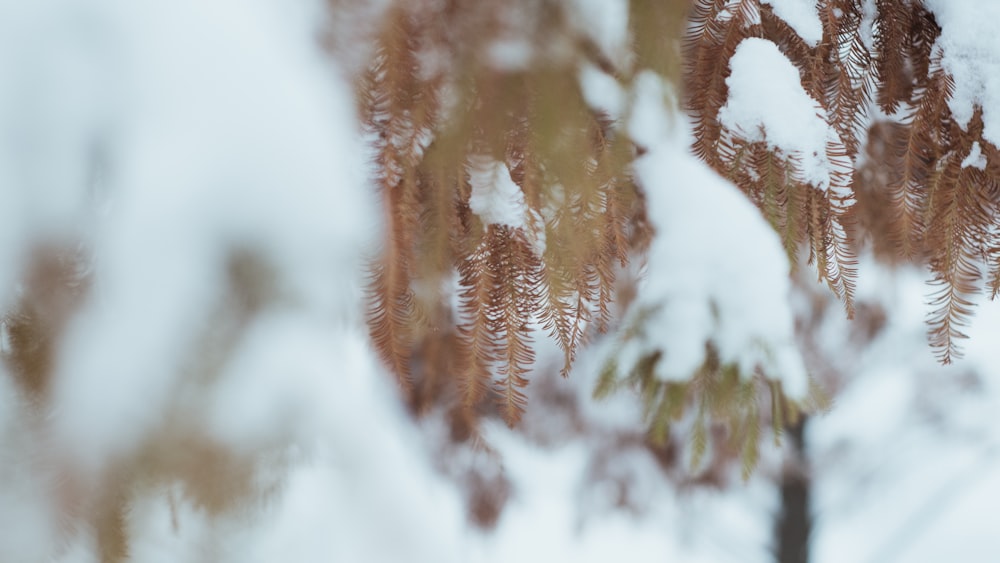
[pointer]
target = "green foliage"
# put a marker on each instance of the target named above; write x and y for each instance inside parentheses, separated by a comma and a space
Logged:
(717, 403)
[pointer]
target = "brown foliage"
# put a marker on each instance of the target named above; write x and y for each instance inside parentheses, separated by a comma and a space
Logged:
(429, 129)
(832, 74)
(435, 99)
(918, 200)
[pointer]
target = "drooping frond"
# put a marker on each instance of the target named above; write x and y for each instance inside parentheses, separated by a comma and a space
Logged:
(962, 211)
(549, 262)
(715, 30)
(833, 74)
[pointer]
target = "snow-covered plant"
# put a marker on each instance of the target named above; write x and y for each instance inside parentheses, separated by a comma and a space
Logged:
(809, 106)
(505, 140)
(523, 169)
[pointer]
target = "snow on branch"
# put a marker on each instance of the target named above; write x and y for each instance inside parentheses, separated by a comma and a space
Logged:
(767, 103)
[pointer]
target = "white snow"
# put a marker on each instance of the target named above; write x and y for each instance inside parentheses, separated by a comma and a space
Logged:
(511, 54)
(606, 23)
(716, 269)
(219, 147)
(767, 103)
(601, 91)
(495, 198)
(649, 123)
(975, 158)
(27, 517)
(546, 519)
(970, 50)
(800, 15)
(238, 142)
(906, 462)
(731, 288)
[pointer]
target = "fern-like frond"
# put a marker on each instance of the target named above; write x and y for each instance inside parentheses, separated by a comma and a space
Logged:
(477, 328)
(520, 296)
(717, 27)
(390, 318)
(891, 23)
(952, 242)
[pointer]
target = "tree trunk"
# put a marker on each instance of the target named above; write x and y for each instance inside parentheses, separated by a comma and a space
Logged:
(794, 522)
